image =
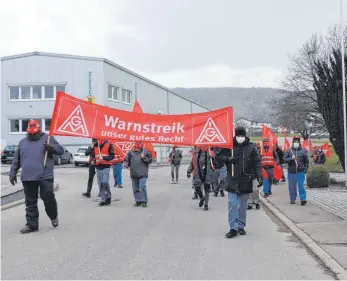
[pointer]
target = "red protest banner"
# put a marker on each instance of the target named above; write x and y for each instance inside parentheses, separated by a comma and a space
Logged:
(76, 117)
(122, 147)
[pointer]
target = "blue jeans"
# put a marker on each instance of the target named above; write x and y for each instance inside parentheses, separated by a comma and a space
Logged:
(268, 182)
(103, 176)
(237, 208)
(140, 189)
(294, 180)
(117, 173)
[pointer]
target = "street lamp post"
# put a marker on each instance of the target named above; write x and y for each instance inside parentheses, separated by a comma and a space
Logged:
(343, 86)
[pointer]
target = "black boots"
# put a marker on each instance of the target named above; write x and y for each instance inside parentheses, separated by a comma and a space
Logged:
(231, 234)
(55, 222)
(86, 194)
(27, 229)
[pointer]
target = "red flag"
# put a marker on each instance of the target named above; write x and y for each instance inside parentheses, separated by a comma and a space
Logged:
(286, 141)
(277, 172)
(306, 145)
(326, 148)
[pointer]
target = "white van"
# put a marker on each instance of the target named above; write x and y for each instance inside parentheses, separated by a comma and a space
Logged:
(80, 156)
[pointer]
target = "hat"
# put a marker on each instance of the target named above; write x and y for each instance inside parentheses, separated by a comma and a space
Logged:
(240, 131)
(296, 138)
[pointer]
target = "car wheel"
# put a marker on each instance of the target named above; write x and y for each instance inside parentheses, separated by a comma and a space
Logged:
(77, 164)
(58, 161)
(70, 160)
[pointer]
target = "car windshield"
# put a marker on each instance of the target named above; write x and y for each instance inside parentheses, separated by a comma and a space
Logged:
(11, 147)
(81, 150)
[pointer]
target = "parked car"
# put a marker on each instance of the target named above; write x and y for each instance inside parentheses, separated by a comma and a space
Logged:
(80, 156)
(8, 153)
(65, 158)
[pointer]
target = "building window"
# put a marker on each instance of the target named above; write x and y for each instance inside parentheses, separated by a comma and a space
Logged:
(19, 126)
(36, 92)
(113, 93)
(14, 93)
(126, 96)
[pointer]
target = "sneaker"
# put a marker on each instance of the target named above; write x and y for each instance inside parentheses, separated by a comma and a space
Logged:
(222, 194)
(206, 207)
(215, 194)
(55, 222)
(172, 182)
(231, 234)
(27, 229)
(249, 207)
(120, 186)
(137, 204)
(108, 201)
(176, 182)
(283, 180)
(102, 203)
(144, 205)
(201, 203)
(266, 195)
(292, 202)
(241, 231)
(303, 202)
(86, 194)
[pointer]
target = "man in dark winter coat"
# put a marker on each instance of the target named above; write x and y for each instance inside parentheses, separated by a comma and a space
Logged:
(138, 160)
(247, 166)
(175, 159)
(298, 162)
(30, 156)
(90, 152)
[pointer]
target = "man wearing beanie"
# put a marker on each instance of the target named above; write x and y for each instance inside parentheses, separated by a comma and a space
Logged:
(297, 160)
(245, 163)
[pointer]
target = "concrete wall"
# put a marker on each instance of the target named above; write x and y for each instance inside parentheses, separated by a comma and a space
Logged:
(44, 70)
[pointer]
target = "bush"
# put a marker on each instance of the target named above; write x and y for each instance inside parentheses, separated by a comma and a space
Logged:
(318, 176)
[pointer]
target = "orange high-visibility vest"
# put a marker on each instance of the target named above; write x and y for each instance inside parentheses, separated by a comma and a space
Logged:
(103, 152)
(268, 158)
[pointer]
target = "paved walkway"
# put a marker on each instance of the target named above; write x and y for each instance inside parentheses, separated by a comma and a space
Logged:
(171, 239)
(323, 218)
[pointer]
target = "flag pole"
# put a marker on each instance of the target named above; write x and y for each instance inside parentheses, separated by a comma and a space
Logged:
(343, 86)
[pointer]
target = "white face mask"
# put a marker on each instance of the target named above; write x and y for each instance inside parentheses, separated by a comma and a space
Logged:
(240, 139)
(296, 145)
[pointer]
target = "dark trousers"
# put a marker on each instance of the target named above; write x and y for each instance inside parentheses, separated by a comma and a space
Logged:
(207, 190)
(31, 190)
(91, 178)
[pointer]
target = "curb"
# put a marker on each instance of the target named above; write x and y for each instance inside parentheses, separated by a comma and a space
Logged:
(328, 260)
(22, 201)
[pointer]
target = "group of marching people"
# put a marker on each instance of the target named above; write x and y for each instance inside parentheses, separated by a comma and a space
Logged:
(239, 171)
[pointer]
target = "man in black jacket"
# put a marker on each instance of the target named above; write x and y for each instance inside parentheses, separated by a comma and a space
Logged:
(90, 152)
(246, 165)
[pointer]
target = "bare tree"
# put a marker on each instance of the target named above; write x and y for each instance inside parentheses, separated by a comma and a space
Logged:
(299, 98)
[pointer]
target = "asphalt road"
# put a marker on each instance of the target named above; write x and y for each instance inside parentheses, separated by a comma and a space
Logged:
(171, 239)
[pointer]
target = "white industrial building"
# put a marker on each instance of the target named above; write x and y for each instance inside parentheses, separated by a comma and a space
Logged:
(29, 83)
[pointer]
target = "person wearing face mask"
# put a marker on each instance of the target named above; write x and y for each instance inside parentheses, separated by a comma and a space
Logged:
(104, 155)
(298, 163)
(175, 158)
(243, 166)
(138, 160)
(201, 166)
(30, 156)
(269, 159)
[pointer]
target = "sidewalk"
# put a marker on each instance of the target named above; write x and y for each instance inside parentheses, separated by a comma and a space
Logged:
(323, 219)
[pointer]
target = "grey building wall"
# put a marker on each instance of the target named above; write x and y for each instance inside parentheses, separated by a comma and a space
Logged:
(43, 69)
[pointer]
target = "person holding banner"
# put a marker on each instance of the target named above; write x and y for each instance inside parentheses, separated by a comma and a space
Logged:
(201, 166)
(138, 160)
(298, 163)
(243, 165)
(269, 159)
(35, 156)
(90, 152)
(104, 155)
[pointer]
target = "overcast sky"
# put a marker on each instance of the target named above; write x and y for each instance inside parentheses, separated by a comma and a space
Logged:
(178, 43)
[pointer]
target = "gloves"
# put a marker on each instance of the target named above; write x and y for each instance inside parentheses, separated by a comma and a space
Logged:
(232, 160)
(188, 175)
(260, 182)
(13, 179)
(49, 148)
